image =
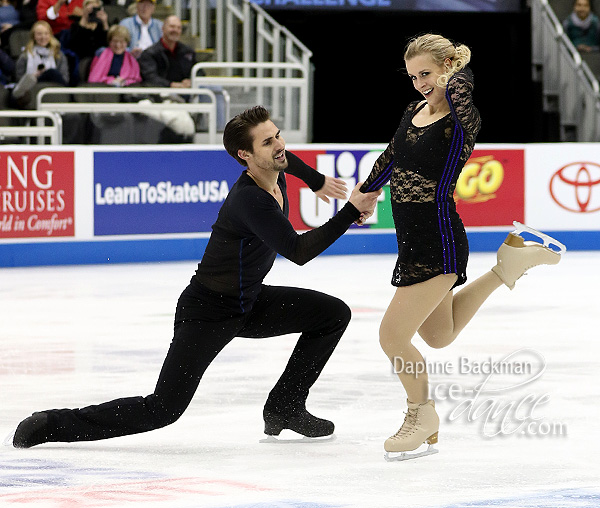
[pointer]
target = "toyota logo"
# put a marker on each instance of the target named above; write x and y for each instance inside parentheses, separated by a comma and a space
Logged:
(572, 187)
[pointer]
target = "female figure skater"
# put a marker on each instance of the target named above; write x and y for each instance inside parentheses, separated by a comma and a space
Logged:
(423, 161)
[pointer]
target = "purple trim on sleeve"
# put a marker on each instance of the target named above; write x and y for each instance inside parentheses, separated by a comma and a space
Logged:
(381, 179)
(444, 221)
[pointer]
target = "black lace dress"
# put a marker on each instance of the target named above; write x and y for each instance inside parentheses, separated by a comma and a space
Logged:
(422, 165)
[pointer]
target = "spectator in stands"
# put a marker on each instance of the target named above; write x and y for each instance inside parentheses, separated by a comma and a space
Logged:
(27, 17)
(168, 62)
(144, 29)
(582, 26)
(59, 13)
(27, 13)
(9, 16)
(116, 65)
(89, 34)
(42, 61)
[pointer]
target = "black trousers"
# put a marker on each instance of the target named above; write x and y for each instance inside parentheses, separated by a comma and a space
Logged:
(202, 330)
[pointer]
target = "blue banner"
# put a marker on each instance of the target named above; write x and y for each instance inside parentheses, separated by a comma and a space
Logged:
(139, 193)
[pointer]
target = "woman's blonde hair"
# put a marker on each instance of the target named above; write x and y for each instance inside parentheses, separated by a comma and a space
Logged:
(118, 31)
(439, 48)
(54, 44)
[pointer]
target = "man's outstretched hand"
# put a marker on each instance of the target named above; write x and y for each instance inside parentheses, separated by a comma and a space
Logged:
(332, 188)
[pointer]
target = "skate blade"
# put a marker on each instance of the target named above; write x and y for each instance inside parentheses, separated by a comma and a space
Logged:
(400, 456)
(300, 439)
(8, 440)
(547, 240)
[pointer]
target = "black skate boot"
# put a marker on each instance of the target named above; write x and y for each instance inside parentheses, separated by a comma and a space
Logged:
(31, 431)
(300, 421)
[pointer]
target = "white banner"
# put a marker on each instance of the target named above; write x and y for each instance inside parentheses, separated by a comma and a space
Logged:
(562, 186)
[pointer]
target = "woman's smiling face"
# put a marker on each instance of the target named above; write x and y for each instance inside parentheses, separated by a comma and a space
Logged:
(118, 45)
(424, 73)
(41, 35)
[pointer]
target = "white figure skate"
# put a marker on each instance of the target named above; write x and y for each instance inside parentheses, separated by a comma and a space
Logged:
(516, 256)
(420, 426)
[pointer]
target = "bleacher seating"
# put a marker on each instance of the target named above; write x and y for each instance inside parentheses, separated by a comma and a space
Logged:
(218, 30)
(115, 13)
(16, 42)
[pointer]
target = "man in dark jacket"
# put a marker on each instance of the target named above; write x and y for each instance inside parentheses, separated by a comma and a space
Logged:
(168, 62)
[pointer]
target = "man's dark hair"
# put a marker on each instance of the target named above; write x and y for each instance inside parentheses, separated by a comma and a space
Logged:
(236, 135)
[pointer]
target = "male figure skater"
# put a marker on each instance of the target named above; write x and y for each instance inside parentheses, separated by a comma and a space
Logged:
(226, 298)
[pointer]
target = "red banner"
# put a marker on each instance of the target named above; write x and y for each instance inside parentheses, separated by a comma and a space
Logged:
(490, 190)
(294, 186)
(37, 194)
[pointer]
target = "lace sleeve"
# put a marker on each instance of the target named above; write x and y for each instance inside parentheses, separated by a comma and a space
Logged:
(381, 172)
(459, 93)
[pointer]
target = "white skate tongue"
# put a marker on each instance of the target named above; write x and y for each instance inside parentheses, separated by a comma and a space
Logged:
(547, 240)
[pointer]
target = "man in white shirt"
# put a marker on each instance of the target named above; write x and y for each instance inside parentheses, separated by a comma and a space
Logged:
(144, 29)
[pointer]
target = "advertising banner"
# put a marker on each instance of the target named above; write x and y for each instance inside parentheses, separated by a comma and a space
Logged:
(37, 191)
(489, 190)
(101, 204)
(352, 165)
(160, 192)
(563, 186)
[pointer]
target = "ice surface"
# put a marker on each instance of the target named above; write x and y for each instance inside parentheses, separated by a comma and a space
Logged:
(80, 335)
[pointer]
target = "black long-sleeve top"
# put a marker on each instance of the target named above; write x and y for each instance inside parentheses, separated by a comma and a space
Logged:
(251, 229)
(423, 163)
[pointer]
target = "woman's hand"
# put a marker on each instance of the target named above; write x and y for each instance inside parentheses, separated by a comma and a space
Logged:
(365, 202)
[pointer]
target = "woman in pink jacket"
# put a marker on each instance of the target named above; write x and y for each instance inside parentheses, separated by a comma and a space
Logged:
(115, 65)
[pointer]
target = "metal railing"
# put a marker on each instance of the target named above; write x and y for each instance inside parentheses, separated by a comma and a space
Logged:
(241, 31)
(39, 130)
(569, 86)
(208, 108)
(283, 88)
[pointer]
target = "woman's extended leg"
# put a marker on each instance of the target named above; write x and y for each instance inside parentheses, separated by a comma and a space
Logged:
(514, 258)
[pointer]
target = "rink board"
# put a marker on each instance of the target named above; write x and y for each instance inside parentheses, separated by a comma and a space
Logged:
(107, 204)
